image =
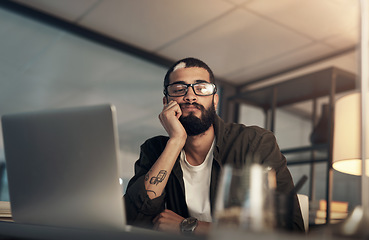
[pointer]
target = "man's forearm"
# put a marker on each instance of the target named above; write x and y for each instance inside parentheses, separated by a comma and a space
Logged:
(157, 177)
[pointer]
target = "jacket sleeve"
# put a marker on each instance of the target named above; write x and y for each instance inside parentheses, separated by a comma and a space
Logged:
(270, 154)
(140, 209)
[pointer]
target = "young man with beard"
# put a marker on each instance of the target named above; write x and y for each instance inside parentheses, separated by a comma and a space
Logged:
(176, 177)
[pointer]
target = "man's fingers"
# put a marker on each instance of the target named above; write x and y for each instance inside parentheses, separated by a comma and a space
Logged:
(171, 215)
(159, 218)
(168, 110)
(167, 216)
(169, 105)
(167, 220)
(155, 220)
(170, 115)
(172, 105)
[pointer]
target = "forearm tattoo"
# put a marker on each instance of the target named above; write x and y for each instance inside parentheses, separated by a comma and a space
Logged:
(155, 180)
(151, 192)
(158, 179)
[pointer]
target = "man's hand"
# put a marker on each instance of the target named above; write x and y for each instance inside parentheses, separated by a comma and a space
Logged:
(169, 119)
(168, 221)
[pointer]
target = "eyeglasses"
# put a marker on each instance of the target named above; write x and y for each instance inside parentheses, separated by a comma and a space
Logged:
(181, 89)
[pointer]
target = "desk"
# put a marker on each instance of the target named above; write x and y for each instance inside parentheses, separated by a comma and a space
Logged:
(9, 230)
(322, 234)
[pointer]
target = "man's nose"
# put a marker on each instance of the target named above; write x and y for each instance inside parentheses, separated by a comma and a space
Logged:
(190, 95)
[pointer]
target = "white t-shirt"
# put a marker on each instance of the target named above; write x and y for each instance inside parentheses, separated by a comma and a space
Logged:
(197, 186)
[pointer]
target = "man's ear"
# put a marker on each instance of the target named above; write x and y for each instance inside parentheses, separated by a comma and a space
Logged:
(216, 100)
(165, 100)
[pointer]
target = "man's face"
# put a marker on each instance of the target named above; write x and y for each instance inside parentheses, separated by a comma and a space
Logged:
(198, 112)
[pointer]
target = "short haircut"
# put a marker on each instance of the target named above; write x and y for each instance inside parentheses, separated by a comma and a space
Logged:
(187, 63)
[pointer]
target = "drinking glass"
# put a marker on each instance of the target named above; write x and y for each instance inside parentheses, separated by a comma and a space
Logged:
(245, 198)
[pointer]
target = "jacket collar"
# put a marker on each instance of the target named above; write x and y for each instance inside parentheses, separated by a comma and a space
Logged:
(219, 129)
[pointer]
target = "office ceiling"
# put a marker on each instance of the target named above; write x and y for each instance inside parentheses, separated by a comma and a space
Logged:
(242, 40)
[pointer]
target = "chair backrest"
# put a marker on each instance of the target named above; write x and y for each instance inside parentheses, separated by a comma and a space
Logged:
(304, 206)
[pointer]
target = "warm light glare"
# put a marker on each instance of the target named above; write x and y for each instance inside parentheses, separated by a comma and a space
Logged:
(351, 166)
(347, 136)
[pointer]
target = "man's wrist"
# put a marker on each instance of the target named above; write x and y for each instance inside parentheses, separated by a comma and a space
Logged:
(202, 228)
(177, 142)
(188, 225)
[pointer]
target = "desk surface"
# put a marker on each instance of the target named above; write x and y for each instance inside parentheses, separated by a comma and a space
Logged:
(26, 231)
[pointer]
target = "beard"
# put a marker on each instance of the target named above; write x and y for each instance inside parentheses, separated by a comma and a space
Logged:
(194, 125)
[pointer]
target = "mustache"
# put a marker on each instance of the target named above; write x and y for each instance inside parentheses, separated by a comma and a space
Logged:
(197, 105)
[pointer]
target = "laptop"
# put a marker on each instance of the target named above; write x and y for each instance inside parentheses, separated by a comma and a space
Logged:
(62, 168)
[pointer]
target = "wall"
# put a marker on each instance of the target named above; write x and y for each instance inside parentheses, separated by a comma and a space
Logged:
(42, 68)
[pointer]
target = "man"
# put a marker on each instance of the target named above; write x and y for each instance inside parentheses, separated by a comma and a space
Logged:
(176, 177)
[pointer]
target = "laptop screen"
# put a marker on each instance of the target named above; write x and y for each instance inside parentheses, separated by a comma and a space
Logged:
(62, 167)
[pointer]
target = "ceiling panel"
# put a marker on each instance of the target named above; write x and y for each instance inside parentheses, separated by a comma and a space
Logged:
(152, 24)
(316, 19)
(278, 63)
(70, 10)
(236, 41)
(345, 39)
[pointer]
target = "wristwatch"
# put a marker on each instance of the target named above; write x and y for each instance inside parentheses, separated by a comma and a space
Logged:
(188, 225)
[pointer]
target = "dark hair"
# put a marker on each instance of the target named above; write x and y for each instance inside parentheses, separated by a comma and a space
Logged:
(189, 62)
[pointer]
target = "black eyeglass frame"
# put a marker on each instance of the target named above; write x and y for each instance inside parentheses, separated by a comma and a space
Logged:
(190, 85)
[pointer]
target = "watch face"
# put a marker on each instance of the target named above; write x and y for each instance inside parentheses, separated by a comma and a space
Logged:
(189, 224)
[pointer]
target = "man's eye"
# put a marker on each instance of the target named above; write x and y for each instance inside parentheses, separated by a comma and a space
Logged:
(179, 90)
(202, 88)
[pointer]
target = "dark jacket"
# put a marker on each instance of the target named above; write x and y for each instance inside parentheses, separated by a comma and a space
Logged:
(236, 144)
